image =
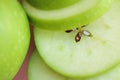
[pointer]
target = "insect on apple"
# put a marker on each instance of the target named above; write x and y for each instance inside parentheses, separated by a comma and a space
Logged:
(80, 32)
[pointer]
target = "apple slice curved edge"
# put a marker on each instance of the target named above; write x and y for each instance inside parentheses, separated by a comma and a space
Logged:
(69, 17)
(91, 55)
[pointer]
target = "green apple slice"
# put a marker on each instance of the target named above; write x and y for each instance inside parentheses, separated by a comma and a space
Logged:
(38, 70)
(113, 74)
(75, 15)
(91, 55)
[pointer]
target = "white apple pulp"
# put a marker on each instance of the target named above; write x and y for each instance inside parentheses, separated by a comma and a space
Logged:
(39, 70)
(91, 56)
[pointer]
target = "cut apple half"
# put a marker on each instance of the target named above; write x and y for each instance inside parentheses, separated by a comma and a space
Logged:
(75, 15)
(88, 57)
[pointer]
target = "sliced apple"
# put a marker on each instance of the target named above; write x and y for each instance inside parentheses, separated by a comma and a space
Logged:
(38, 70)
(75, 15)
(110, 75)
(113, 74)
(91, 55)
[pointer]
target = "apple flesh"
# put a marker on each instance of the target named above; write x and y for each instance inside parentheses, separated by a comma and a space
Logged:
(91, 55)
(14, 38)
(39, 70)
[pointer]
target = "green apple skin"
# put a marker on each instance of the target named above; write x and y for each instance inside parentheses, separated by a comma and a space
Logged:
(70, 17)
(51, 4)
(14, 38)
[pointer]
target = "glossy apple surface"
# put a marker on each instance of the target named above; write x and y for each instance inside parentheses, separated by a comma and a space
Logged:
(22, 74)
(14, 38)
